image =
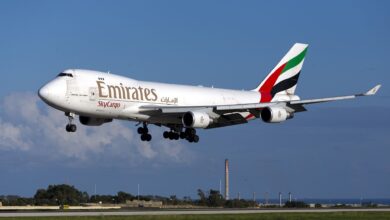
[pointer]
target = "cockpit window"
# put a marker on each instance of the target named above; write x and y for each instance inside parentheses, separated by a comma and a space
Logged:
(65, 74)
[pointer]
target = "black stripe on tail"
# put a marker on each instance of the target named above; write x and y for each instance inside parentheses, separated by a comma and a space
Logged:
(285, 84)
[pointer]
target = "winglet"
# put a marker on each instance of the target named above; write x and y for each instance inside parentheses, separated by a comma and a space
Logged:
(373, 91)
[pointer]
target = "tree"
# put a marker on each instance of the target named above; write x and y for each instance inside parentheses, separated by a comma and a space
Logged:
(108, 199)
(202, 197)
(295, 204)
(239, 203)
(215, 199)
(123, 196)
(173, 199)
(60, 195)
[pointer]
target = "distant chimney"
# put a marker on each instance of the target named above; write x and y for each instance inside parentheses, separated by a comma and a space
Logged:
(280, 199)
(289, 197)
(227, 179)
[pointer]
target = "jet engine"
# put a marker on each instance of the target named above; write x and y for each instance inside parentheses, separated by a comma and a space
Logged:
(196, 119)
(90, 121)
(275, 114)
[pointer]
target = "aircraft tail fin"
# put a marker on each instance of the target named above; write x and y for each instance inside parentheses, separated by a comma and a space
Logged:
(283, 78)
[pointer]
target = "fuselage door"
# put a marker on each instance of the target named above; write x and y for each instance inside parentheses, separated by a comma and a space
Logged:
(72, 89)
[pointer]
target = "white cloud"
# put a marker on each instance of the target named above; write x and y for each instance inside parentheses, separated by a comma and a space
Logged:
(11, 136)
(26, 124)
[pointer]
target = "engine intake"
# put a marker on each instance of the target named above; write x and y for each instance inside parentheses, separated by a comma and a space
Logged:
(275, 114)
(91, 121)
(196, 120)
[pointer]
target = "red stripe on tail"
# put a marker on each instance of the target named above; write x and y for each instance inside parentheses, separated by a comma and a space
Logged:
(265, 89)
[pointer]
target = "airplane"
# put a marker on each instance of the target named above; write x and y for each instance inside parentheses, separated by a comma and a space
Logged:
(98, 98)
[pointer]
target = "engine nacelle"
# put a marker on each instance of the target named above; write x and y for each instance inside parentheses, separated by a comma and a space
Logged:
(275, 114)
(90, 121)
(196, 120)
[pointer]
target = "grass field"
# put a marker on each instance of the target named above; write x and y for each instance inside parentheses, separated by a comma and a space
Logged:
(273, 216)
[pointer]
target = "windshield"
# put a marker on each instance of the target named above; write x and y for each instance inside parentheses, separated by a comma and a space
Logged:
(65, 74)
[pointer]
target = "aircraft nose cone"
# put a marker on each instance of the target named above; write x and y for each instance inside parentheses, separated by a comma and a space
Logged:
(53, 93)
(44, 92)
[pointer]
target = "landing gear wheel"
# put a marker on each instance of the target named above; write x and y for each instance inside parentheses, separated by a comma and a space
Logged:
(143, 131)
(70, 127)
(196, 138)
(190, 132)
(73, 127)
(170, 135)
(140, 130)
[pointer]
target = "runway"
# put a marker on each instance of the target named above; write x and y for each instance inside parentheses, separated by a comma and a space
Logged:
(184, 212)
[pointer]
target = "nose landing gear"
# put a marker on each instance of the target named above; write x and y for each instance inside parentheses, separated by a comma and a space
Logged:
(70, 127)
(144, 132)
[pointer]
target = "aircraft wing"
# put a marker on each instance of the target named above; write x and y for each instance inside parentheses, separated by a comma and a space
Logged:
(372, 91)
(215, 108)
(228, 114)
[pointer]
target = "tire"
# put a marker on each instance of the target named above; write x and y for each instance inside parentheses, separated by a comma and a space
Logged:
(166, 134)
(196, 138)
(190, 131)
(73, 128)
(67, 128)
(176, 136)
(146, 130)
(140, 130)
(143, 137)
(148, 137)
(182, 135)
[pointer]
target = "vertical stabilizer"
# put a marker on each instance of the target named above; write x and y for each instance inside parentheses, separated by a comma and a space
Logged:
(283, 78)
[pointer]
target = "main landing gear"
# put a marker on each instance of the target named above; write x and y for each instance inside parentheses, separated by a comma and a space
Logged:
(144, 132)
(189, 134)
(70, 127)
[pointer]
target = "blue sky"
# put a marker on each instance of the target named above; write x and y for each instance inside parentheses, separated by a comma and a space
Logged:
(335, 150)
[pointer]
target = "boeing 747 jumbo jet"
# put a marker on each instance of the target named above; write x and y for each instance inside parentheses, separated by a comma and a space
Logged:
(98, 98)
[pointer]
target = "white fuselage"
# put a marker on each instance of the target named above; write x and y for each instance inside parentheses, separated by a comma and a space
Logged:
(99, 97)
(98, 94)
